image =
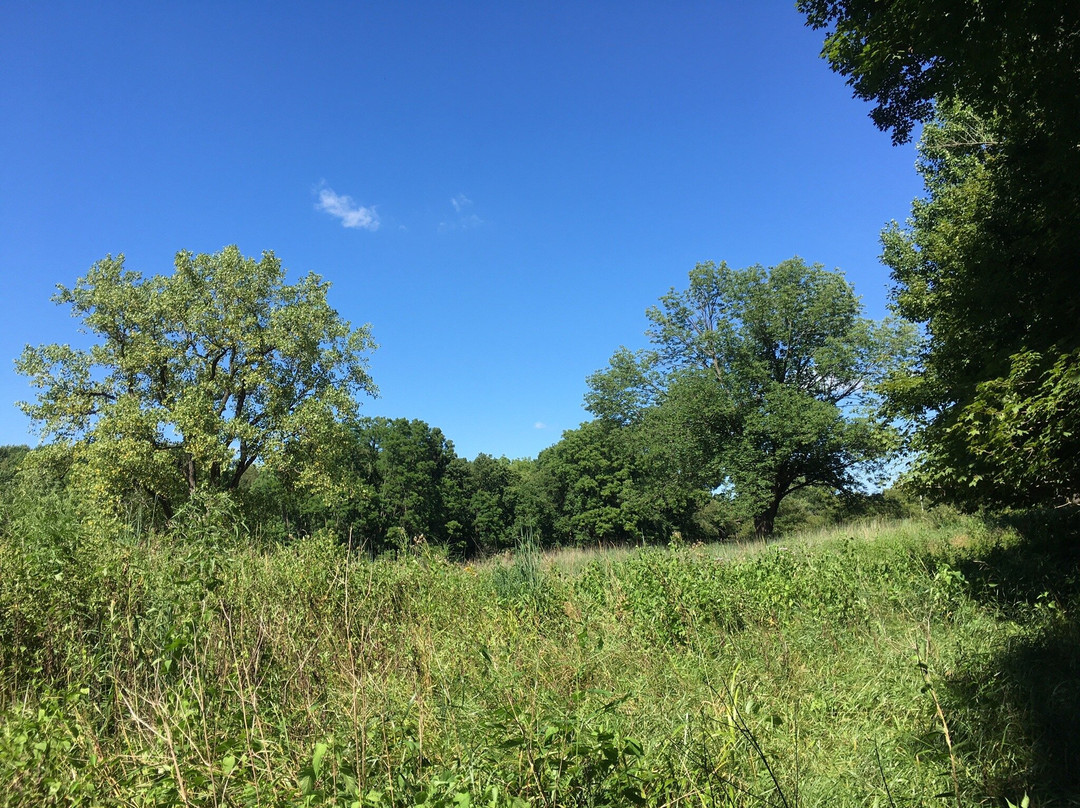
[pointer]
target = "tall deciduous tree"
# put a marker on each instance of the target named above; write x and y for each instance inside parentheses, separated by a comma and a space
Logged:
(988, 262)
(608, 484)
(755, 381)
(196, 375)
(998, 395)
(1014, 59)
(592, 484)
(402, 464)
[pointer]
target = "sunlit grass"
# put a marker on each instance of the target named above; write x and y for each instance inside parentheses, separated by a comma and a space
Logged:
(821, 668)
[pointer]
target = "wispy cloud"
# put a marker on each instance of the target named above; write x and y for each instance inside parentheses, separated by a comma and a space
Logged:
(343, 207)
(539, 425)
(465, 220)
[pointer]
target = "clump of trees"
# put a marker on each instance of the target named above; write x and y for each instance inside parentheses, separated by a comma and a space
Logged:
(399, 481)
(987, 263)
(760, 382)
(403, 482)
(224, 378)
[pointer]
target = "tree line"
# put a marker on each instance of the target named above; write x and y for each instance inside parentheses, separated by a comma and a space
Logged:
(223, 377)
(759, 384)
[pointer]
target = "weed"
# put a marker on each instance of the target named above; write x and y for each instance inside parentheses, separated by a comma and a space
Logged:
(194, 667)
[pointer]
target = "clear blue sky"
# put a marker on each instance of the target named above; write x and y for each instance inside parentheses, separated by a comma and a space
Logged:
(501, 189)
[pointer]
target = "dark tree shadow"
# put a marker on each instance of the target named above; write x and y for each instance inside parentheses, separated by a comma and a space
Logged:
(1023, 699)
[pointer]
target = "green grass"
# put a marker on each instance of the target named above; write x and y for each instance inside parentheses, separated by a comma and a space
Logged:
(911, 663)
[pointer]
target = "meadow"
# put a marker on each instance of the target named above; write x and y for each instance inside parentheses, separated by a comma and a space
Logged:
(931, 661)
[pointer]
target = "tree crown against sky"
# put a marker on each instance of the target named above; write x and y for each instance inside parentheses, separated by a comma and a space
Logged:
(988, 260)
(196, 375)
(1015, 59)
(759, 380)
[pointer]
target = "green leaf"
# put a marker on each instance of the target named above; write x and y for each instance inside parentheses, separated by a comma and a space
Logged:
(317, 758)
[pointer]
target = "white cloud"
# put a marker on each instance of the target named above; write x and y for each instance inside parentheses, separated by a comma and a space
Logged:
(464, 220)
(343, 207)
(539, 425)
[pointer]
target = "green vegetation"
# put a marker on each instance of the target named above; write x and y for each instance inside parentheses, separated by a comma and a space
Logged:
(221, 586)
(988, 261)
(397, 481)
(761, 381)
(605, 488)
(10, 459)
(1016, 399)
(877, 664)
(222, 378)
(194, 378)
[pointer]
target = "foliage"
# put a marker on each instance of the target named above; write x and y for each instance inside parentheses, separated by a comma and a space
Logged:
(988, 260)
(818, 508)
(407, 462)
(523, 583)
(758, 382)
(10, 459)
(398, 482)
(607, 486)
(593, 487)
(997, 423)
(391, 472)
(1014, 58)
(193, 667)
(1015, 441)
(195, 376)
(490, 502)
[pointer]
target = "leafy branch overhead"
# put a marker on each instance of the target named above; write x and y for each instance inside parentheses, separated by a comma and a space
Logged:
(1012, 58)
(195, 376)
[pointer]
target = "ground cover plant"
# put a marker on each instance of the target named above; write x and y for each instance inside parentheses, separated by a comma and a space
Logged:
(914, 662)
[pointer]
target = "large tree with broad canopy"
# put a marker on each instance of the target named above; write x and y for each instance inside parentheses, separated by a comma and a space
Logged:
(759, 382)
(194, 376)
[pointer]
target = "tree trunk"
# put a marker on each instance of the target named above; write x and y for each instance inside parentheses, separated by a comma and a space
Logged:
(189, 473)
(764, 521)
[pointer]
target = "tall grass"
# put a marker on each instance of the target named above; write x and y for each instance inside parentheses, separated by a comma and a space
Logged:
(195, 667)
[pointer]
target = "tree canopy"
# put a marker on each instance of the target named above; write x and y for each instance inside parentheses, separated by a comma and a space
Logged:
(606, 487)
(196, 375)
(988, 260)
(758, 383)
(997, 395)
(1013, 59)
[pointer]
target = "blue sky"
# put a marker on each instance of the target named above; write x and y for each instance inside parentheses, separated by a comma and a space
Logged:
(500, 189)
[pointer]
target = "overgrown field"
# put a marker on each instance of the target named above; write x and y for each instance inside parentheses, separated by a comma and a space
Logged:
(912, 663)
